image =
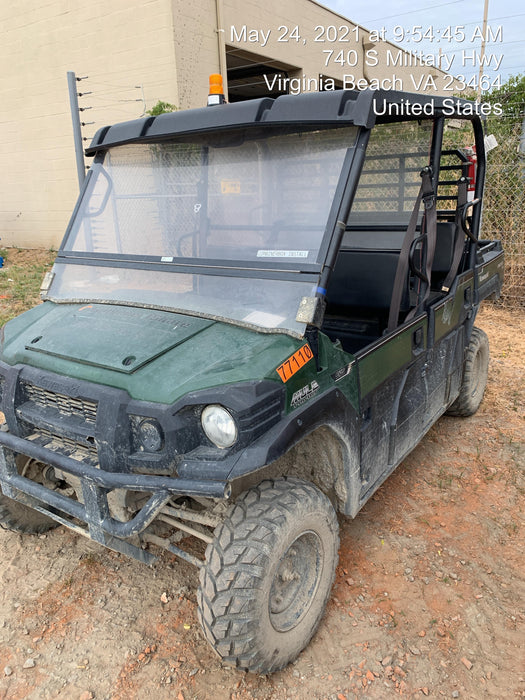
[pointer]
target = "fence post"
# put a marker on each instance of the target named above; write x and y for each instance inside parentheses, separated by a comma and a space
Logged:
(77, 133)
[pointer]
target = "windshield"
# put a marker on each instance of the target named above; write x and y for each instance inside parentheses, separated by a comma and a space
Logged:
(238, 200)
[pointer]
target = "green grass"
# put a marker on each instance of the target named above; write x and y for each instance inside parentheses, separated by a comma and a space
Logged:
(20, 280)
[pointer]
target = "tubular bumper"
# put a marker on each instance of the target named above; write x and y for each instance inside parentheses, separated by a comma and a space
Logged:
(94, 511)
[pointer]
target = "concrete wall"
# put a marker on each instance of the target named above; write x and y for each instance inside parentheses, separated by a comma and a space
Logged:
(118, 44)
(196, 47)
(307, 54)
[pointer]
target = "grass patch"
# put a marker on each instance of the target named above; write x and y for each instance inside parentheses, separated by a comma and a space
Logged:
(20, 280)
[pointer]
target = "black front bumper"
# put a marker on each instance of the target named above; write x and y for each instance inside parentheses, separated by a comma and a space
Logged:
(86, 430)
(94, 510)
(83, 430)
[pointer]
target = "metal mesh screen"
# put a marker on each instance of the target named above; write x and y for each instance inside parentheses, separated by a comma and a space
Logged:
(504, 197)
(504, 202)
(390, 180)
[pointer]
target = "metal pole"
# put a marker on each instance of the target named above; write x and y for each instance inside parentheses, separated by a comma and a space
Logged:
(483, 42)
(521, 149)
(77, 133)
(223, 67)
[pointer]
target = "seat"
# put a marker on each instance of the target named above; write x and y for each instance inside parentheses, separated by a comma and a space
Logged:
(358, 296)
(360, 289)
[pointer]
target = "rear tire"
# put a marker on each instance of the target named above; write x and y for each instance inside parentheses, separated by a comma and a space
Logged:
(475, 376)
(268, 574)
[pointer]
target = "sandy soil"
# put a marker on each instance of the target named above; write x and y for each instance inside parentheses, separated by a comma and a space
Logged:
(428, 599)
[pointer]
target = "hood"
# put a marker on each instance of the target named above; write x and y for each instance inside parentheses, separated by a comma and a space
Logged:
(154, 355)
(120, 338)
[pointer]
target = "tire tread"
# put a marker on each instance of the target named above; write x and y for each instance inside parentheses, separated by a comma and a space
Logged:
(466, 404)
(18, 517)
(248, 534)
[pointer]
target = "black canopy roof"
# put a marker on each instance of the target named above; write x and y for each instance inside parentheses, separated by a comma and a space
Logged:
(328, 108)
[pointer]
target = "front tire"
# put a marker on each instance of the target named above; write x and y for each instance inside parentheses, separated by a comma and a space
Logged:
(18, 517)
(268, 574)
(475, 375)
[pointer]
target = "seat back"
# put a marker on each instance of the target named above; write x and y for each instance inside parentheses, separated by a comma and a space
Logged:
(362, 279)
(363, 276)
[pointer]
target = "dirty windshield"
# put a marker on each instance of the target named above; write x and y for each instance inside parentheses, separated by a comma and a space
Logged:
(216, 202)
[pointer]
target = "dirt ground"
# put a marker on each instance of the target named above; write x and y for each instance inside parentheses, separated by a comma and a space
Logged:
(428, 600)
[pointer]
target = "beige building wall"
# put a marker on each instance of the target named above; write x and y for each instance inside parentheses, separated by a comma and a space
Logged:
(309, 56)
(118, 44)
(134, 53)
(197, 49)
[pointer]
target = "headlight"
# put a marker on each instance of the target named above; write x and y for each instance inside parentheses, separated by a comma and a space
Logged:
(219, 426)
(150, 435)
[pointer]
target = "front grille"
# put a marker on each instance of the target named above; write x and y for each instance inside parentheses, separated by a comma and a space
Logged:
(66, 405)
(65, 446)
(60, 423)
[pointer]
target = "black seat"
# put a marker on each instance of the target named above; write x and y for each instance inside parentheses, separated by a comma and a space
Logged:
(362, 279)
(358, 296)
(360, 288)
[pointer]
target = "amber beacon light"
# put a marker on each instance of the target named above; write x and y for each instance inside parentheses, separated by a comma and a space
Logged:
(216, 94)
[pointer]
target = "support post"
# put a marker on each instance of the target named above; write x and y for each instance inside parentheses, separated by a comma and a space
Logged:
(483, 43)
(77, 133)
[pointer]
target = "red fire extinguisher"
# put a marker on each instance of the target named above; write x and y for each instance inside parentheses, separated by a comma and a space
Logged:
(471, 175)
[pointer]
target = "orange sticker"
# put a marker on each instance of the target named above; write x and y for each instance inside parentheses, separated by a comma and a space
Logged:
(230, 186)
(294, 363)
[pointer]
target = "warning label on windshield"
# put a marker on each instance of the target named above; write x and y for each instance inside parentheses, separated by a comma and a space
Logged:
(282, 253)
(294, 363)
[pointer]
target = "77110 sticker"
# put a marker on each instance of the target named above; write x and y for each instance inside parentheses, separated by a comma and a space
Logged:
(294, 363)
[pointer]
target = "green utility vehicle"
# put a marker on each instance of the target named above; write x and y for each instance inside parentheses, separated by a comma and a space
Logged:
(257, 311)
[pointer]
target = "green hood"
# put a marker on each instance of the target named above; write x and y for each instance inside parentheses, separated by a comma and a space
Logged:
(154, 355)
(114, 337)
